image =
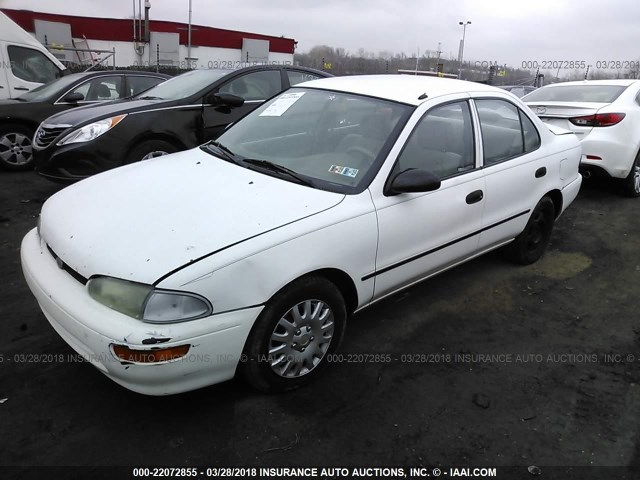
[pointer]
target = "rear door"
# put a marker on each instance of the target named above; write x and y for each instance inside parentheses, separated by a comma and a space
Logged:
(516, 168)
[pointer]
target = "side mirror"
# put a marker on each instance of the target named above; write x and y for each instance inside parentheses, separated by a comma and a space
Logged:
(413, 180)
(224, 99)
(73, 97)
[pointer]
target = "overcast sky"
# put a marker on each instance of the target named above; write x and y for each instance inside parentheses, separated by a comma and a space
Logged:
(504, 31)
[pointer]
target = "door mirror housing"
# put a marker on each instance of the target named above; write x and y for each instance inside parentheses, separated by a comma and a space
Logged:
(413, 180)
(224, 99)
(73, 97)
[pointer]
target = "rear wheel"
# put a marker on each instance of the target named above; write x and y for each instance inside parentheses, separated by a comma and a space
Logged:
(150, 149)
(293, 335)
(531, 244)
(631, 184)
(15, 147)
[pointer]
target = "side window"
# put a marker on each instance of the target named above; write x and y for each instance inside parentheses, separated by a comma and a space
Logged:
(137, 84)
(100, 89)
(299, 77)
(31, 65)
(255, 85)
(501, 132)
(530, 133)
(442, 142)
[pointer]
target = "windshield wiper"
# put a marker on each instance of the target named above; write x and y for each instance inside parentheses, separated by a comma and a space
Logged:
(150, 97)
(275, 167)
(226, 153)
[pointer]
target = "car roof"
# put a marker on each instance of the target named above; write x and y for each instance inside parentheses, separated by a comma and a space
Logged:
(399, 88)
(616, 82)
(96, 73)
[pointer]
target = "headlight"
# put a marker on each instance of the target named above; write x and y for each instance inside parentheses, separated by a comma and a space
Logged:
(145, 303)
(91, 131)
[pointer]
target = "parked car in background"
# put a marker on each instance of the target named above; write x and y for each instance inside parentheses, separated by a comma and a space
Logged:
(605, 115)
(518, 90)
(249, 253)
(19, 118)
(24, 62)
(174, 116)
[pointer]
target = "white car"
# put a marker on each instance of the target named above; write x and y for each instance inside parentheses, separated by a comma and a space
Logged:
(605, 115)
(248, 254)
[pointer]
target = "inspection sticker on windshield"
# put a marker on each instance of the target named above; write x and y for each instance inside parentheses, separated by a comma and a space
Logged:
(281, 104)
(346, 171)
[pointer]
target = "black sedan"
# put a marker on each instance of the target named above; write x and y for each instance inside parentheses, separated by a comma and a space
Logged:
(179, 114)
(20, 117)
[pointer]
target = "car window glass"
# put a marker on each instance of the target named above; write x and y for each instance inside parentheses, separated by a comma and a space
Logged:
(501, 132)
(441, 143)
(137, 84)
(531, 135)
(255, 85)
(31, 65)
(100, 89)
(296, 77)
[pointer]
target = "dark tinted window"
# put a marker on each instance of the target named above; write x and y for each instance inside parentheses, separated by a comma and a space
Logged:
(31, 65)
(501, 132)
(255, 85)
(100, 89)
(296, 77)
(441, 143)
(576, 93)
(138, 84)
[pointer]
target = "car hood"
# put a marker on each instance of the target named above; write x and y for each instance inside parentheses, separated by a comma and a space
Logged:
(87, 113)
(141, 221)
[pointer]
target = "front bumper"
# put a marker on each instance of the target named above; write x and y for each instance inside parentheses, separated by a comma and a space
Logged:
(91, 329)
(76, 161)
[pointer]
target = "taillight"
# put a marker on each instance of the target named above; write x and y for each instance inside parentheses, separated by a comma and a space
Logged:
(598, 120)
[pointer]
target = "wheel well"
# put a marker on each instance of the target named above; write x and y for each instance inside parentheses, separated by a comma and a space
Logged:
(158, 136)
(22, 123)
(344, 283)
(556, 198)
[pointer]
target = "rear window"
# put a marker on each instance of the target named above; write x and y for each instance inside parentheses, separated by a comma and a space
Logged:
(576, 93)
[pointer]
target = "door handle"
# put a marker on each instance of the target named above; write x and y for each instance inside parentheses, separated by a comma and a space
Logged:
(24, 89)
(475, 197)
(541, 172)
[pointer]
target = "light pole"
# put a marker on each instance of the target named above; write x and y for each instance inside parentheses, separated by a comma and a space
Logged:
(461, 53)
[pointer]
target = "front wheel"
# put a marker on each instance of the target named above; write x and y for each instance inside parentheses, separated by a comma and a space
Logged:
(15, 148)
(631, 184)
(150, 149)
(293, 335)
(531, 244)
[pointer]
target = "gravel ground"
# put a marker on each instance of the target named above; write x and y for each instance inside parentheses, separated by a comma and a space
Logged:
(491, 365)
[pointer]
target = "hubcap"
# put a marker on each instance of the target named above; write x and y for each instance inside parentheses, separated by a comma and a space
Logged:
(154, 154)
(301, 339)
(636, 176)
(15, 149)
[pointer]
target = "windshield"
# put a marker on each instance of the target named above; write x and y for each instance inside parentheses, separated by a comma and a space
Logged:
(49, 90)
(576, 93)
(184, 85)
(336, 140)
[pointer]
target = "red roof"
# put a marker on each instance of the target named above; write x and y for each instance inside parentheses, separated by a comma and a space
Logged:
(121, 30)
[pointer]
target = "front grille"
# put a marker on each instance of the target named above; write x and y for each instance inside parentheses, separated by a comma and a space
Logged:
(48, 133)
(67, 268)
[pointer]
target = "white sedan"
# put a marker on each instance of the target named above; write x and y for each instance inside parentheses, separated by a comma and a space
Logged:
(605, 115)
(248, 254)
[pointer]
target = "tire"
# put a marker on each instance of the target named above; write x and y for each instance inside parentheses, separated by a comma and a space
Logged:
(150, 149)
(631, 184)
(16, 152)
(530, 245)
(300, 325)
